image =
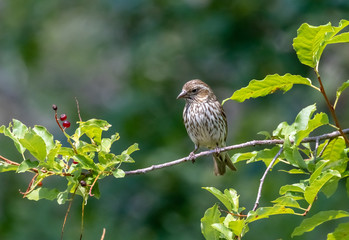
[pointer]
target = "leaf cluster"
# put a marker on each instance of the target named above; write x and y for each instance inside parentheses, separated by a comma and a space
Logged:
(87, 159)
(322, 165)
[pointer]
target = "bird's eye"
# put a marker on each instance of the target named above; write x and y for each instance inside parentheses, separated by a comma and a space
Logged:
(194, 90)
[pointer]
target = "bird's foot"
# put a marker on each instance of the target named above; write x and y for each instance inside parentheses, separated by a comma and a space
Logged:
(192, 157)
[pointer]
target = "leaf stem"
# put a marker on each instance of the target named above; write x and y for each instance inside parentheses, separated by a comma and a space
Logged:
(330, 107)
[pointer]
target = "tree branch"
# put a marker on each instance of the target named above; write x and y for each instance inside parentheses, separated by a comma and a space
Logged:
(259, 194)
(232, 147)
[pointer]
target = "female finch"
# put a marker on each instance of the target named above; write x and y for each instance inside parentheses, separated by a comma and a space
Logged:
(205, 121)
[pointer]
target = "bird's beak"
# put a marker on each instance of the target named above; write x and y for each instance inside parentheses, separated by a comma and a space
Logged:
(182, 94)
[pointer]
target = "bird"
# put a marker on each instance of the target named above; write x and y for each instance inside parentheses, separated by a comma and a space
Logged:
(206, 123)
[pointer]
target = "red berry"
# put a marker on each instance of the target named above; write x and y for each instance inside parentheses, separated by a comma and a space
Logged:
(40, 184)
(74, 162)
(63, 117)
(66, 124)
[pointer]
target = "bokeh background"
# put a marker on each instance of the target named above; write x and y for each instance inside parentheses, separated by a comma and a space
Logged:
(126, 61)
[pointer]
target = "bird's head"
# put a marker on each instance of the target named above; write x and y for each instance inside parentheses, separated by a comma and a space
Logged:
(196, 91)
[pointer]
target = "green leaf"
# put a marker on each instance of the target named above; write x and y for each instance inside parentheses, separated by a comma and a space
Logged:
(43, 193)
(16, 132)
(107, 142)
(5, 167)
(270, 84)
(46, 136)
(229, 198)
(265, 212)
(340, 233)
(27, 164)
(287, 201)
(342, 88)
(237, 157)
(309, 224)
(237, 226)
(319, 119)
(297, 187)
(293, 156)
(118, 173)
(335, 150)
(312, 190)
(227, 233)
(318, 169)
(93, 128)
(311, 41)
(35, 145)
(211, 217)
(87, 162)
(125, 155)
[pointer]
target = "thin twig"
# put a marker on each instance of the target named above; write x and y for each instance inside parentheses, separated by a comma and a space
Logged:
(259, 194)
(331, 108)
(67, 213)
(78, 108)
(232, 147)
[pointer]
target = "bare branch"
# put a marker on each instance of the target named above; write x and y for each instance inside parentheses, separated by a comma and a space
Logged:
(259, 194)
(232, 147)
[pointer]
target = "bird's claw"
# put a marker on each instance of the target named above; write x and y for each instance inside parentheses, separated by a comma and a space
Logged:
(192, 157)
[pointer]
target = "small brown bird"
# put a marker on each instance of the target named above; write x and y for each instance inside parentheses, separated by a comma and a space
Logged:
(205, 121)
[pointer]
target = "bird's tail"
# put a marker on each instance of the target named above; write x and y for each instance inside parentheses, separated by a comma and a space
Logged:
(221, 160)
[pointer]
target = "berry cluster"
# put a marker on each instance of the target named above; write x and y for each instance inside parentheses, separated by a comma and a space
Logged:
(63, 118)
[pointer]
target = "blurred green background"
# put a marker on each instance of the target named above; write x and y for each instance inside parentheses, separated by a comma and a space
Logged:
(126, 61)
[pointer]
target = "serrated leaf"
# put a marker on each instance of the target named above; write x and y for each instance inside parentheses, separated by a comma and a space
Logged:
(229, 198)
(270, 84)
(211, 216)
(311, 41)
(27, 164)
(312, 190)
(309, 224)
(340, 233)
(42, 193)
(34, 144)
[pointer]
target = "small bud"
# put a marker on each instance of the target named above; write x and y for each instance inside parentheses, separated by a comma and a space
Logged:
(54, 107)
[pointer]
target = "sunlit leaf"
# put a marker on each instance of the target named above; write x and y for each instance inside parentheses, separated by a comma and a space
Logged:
(312, 190)
(319, 119)
(227, 233)
(312, 40)
(309, 224)
(297, 187)
(27, 164)
(287, 201)
(211, 216)
(5, 167)
(340, 233)
(43, 193)
(270, 84)
(266, 212)
(85, 161)
(118, 173)
(229, 198)
(35, 145)
(93, 128)
(237, 226)
(46, 136)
